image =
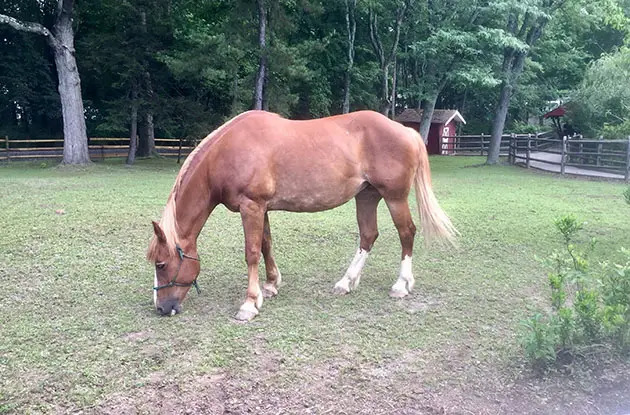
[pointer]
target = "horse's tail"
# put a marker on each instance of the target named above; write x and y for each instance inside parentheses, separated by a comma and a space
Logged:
(435, 223)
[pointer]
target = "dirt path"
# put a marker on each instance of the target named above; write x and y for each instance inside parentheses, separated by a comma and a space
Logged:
(555, 158)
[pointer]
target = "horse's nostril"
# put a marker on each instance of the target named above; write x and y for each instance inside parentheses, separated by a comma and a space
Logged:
(160, 310)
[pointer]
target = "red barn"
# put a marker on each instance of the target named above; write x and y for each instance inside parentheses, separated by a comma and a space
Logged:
(443, 126)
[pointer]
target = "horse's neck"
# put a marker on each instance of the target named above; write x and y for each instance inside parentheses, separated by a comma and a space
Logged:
(193, 207)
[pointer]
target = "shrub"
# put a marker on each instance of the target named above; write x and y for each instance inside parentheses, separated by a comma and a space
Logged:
(588, 308)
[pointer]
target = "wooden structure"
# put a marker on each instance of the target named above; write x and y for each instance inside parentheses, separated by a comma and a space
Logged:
(443, 128)
(555, 115)
(99, 148)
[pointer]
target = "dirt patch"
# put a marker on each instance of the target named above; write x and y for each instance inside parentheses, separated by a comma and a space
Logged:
(409, 384)
(161, 395)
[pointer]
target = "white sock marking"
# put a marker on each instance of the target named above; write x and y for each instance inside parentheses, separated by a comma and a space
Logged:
(405, 281)
(351, 279)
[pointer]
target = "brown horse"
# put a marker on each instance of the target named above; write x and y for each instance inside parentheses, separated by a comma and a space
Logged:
(259, 161)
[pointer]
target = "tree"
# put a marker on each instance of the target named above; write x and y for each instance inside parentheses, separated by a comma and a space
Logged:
(386, 55)
(602, 101)
(446, 45)
(351, 30)
(262, 65)
(525, 24)
(61, 41)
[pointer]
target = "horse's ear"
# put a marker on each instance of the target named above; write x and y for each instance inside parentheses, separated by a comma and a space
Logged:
(159, 233)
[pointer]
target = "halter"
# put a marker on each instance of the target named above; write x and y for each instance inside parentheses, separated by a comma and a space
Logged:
(173, 283)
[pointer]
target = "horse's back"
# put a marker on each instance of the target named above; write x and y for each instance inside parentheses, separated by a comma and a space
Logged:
(315, 164)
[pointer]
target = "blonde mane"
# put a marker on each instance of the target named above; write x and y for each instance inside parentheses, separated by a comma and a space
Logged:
(168, 223)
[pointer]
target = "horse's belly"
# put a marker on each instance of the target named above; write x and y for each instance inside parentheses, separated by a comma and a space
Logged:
(314, 197)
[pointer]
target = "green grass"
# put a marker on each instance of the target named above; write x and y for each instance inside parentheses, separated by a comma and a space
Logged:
(76, 320)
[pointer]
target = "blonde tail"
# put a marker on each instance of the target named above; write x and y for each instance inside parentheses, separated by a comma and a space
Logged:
(435, 223)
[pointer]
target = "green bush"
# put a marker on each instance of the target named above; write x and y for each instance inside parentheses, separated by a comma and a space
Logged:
(588, 308)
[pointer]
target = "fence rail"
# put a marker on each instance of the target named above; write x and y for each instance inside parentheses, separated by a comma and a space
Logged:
(99, 148)
(480, 143)
(598, 155)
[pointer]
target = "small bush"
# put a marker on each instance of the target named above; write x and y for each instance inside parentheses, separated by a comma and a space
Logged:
(587, 308)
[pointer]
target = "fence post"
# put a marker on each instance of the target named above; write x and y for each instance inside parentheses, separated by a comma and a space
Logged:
(537, 142)
(6, 143)
(179, 152)
(599, 151)
(529, 150)
(481, 152)
(563, 155)
(628, 160)
(511, 151)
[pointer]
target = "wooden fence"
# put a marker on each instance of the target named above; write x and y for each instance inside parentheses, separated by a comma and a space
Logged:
(479, 144)
(100, 148)
(544, 150)
(608, 156)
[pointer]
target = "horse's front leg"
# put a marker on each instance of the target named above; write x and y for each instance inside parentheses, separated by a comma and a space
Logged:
(253, 217)
(270, 287)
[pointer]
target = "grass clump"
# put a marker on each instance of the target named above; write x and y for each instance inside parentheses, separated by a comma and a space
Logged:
(590, 309)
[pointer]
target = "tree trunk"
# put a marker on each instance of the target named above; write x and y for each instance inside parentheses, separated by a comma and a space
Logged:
(512, 72)
(498, 123)
(146, 136)
(513, 63)
(385, 59)
(393, 96)
(133, 133)
(262, 63)
(427, 106)
(75, 143)
(385, 103)
(351, 28)
(61, 40)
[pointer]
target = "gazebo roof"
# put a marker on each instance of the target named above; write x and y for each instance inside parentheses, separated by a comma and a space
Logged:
(439, 116)
(556, 112)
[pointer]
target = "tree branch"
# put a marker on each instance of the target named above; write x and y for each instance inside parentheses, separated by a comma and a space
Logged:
(25, 26)
(400, 16)
(376, 41)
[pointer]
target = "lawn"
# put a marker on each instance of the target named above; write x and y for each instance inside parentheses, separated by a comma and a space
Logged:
(78, 332)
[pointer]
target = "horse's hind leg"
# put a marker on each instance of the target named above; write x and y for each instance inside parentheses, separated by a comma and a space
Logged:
(367, 202)
(270, 287)
(399, 209)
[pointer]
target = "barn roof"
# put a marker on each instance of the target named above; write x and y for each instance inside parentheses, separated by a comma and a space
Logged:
(556, 112)
(439, 116)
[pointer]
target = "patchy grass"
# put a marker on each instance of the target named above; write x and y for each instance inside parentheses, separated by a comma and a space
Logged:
(78, 333)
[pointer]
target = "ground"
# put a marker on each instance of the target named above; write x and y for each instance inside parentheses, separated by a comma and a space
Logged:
(78, 332)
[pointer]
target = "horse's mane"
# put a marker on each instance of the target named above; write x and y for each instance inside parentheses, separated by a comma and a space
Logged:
(168, 223)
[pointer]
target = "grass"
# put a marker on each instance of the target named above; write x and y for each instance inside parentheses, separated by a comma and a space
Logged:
(77, 329)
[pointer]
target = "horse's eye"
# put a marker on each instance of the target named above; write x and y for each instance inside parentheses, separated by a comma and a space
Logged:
(160, 265)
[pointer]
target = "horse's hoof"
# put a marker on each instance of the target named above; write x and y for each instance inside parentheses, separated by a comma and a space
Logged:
(269, 291)
(337, 290)
(245, 315)
(398, 294)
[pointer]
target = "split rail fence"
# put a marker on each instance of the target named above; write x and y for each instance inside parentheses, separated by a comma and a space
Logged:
(608, 156)
(100, 148)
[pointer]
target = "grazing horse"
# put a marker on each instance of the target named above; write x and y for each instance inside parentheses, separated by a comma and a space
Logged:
(259, 161)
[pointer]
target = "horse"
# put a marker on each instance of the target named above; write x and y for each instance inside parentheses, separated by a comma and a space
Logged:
(259, 162)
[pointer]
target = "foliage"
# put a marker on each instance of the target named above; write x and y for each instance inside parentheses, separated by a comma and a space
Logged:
(602, 101)
(202, 57)
(626, 195)
(588, 308)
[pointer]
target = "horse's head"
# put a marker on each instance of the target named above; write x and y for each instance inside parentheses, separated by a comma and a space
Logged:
(175, 272)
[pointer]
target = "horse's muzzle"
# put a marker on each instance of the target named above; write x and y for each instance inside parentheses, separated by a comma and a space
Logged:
(168, 308)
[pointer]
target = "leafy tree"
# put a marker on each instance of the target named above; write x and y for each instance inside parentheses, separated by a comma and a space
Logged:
(61, 41)
(602, 102)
